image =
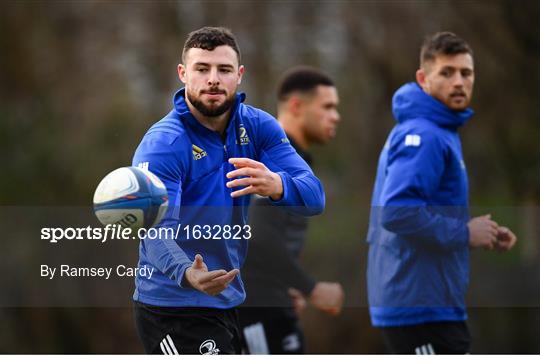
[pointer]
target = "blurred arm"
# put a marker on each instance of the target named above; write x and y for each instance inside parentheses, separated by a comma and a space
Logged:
(413, 176)
(269, 246)
(164, 254)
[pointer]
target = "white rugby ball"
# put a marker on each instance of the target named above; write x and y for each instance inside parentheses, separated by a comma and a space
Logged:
(130, 197)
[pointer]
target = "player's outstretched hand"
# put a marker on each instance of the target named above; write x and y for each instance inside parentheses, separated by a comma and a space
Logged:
(209, 282)
(483, 232)
(506, 239)
(327, 297)
(255, 177)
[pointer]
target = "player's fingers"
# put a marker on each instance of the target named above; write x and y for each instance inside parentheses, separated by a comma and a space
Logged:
(232, 273)
(243, 182)
(511, 235)
(510, 240)
(245, 162)
(504, 246)
(219, 284)
(493, 224)
(294, 292)
(224, 278)
(504, 237)
(227, 278)
(209, 276)
(238, 193)
(198, 263)
(246, 171)
(511, 243)
(501, 237)
(214, 289)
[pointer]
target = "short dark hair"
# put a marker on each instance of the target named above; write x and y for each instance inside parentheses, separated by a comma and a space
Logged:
(209, 38)
(301, 79)
(445, 43)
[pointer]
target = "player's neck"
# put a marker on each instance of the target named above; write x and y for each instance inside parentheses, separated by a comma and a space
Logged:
(214, 123)
(294, 131)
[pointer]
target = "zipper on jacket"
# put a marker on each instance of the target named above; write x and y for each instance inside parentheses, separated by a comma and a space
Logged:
(225, 153)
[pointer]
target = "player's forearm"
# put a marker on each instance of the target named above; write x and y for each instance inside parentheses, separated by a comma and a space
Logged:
(426, 225)
(168, 258)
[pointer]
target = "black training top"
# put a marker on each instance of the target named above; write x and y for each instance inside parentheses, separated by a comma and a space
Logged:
(272, 265)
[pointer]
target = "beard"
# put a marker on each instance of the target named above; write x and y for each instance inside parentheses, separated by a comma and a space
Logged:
(207, 110)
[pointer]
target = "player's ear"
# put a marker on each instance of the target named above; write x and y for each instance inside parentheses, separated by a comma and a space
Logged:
(421, 77)
(241, 71)
(295, 105)
(182, 73)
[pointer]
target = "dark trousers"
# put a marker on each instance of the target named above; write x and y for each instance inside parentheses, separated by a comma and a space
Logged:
(271, 330)
(429, 338)
(174, 331)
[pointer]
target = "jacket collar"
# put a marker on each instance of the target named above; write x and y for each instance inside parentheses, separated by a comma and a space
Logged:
(410, 102)
(181, 107)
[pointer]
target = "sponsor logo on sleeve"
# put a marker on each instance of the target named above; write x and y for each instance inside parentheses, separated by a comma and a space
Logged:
(413, 140)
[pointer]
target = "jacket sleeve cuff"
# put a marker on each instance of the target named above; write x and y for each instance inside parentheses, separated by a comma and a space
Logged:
(285, 197)
(181, 276)
(459, 240)
(465, 236)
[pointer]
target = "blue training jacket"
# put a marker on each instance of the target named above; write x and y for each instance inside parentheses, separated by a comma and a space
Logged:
(192, 162)
(418, 260)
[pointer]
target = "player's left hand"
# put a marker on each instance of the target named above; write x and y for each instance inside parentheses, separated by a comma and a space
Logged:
(210, 282)
(256, 178)
(506, 239)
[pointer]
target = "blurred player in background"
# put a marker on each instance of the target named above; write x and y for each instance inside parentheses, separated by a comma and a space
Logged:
(277, 285)
(420, 230)
(211, 151)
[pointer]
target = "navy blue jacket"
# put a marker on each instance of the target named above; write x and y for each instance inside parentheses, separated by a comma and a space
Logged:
(418, 261)
(192, 162)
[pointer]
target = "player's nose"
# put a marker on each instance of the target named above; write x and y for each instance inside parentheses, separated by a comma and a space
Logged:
(458, 80)
(335, 117)
(213, 77)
